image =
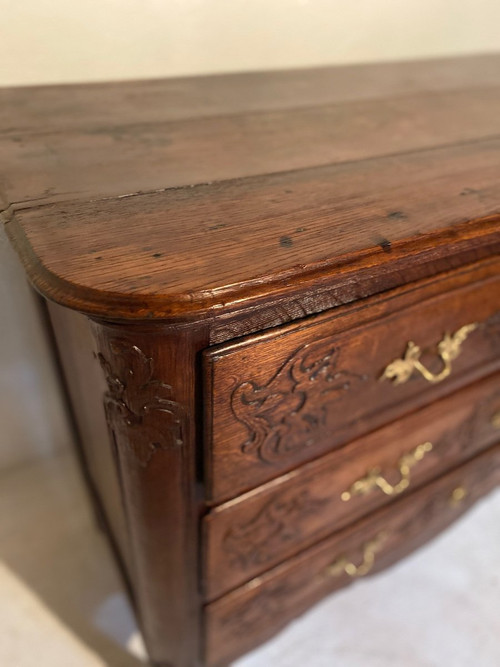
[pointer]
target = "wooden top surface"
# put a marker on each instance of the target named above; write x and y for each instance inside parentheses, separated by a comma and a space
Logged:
(185, 197)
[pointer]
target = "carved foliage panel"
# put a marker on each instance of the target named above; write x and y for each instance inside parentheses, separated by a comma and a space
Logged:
(140, 409)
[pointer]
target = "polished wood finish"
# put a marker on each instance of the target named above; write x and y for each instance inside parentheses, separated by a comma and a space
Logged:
(256, 611)
(250, 534)
(231, 263)
(242, 206)
(213, 248)
(282, 397)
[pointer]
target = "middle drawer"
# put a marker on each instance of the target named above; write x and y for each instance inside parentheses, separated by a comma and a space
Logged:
(252, 533)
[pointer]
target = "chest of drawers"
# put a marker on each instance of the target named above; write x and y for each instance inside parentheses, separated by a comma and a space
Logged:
(276, 302)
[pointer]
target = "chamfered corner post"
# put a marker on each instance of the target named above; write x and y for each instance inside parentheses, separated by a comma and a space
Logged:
(150, 407)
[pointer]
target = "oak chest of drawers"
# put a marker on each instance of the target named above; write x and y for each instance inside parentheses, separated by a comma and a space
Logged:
(276, 302)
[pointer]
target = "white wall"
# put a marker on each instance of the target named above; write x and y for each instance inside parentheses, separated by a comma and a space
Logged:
(50, 41)
(44, 41)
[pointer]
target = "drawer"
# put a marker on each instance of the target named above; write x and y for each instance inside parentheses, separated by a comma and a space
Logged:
(248, 535)
(253, 613)
(278, 399)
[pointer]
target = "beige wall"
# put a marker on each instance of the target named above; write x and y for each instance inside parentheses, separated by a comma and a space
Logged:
(32, 420)
(47, 41)
(69, 40)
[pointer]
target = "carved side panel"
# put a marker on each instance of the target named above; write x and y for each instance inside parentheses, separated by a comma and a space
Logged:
(139, 407)
(286, 413)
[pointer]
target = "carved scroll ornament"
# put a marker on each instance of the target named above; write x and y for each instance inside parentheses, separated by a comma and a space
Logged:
(287, 413)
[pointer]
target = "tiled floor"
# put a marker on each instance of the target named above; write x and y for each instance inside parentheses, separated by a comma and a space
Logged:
(62, 605)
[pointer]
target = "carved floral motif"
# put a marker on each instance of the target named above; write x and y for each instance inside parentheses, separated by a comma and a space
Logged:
(286, 413)
(139, 409)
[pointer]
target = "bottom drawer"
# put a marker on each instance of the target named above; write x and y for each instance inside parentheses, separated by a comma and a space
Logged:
(253, 613)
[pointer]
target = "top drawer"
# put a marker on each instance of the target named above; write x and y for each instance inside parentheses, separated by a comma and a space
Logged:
(277, 399)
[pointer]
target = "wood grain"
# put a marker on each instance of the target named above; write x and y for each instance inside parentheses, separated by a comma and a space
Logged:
(219, 247)
(334, 171)
(57, 107)
(255, 612)
(48, 165)
(281, 398)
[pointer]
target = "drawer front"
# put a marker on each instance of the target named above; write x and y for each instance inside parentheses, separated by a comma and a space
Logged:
(260, 529)
(276, 400)
(253, 613)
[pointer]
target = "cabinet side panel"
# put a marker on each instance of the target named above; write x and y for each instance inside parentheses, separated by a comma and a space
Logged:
(86, 385)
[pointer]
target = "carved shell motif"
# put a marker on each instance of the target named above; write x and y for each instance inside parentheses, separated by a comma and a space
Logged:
(139, 409)
(286, 413)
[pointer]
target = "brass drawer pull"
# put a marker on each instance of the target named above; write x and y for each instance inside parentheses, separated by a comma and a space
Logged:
(370, 549)
(375, 480)
(400, 370)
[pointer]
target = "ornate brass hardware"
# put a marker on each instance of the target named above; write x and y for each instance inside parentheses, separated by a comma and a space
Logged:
(370, 550)
(457, 496)
(375, 480)
(400, 370)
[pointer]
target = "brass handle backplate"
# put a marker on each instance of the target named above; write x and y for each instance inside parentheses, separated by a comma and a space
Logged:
(374, 479)
(344, 566)
(400, 370)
